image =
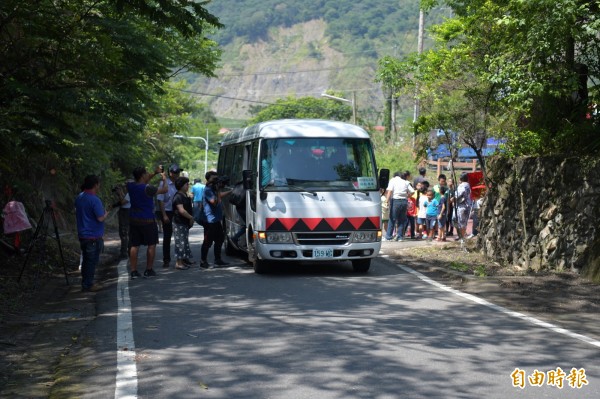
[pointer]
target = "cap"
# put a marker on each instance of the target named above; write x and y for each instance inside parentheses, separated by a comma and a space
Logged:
(175, 168)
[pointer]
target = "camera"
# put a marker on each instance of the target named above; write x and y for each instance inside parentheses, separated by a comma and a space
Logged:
(224, 180)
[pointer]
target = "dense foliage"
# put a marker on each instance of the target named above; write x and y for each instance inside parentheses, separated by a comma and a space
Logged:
(80, 80)
(360, 23)
(524, 70)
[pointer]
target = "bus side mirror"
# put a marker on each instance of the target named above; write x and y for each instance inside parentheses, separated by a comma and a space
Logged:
(384, 178)
(247, 179)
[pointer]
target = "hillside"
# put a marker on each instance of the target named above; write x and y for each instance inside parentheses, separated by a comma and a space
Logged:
(321, 45)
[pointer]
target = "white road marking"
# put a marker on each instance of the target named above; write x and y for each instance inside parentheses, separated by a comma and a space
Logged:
(127, 383)
(509, 312)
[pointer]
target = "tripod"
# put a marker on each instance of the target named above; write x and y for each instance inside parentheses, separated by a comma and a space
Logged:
(41, 231)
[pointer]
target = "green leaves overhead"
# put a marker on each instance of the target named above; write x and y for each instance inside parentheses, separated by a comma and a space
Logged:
(102, 61)
(79, 79)
(517, 67)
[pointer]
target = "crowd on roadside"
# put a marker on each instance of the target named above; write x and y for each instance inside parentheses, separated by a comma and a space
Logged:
(419, 211)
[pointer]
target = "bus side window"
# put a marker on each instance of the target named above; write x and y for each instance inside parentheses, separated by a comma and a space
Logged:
(253, 166)
(238, 164)
(225, 161)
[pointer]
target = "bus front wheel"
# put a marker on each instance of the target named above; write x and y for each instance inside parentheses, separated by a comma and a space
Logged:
(260, 266)
(361, 265)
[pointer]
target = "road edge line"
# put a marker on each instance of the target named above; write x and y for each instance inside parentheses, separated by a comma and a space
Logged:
(522, 316)
(126, 378)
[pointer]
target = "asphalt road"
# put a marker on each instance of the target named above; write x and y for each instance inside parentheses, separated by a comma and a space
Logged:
(321, 331)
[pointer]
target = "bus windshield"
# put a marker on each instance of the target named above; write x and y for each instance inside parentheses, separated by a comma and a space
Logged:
(331, 164)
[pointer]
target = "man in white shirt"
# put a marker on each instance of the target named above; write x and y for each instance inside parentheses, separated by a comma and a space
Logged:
(397, 193)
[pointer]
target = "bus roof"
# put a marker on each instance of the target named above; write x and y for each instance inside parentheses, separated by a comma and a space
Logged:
(295, 128)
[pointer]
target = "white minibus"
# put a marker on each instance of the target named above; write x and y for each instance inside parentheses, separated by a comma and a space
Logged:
(310, 192)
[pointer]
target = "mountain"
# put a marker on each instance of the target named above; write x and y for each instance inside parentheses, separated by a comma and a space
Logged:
(278, 48)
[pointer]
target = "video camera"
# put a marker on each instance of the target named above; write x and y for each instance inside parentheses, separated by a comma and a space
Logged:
(218, 182)
(223, 180)
(117, 187)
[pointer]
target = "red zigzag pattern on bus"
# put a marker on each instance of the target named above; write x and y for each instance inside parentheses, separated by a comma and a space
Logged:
(331, 224)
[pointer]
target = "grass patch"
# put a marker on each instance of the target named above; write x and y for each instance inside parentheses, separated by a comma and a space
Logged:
(480, 271)
(461, 267)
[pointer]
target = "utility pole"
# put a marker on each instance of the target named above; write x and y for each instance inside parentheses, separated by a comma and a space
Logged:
(354, 107)
(393, 111)
(420, 51)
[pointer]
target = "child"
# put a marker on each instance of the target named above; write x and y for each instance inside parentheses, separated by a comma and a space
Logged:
(441, 183)
(411, 214)
(385, 211)
(422, 211)
(432, 212)
(442, 216)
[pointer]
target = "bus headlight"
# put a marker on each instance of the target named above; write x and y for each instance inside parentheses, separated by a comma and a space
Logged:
(365, 236)
(278, 238)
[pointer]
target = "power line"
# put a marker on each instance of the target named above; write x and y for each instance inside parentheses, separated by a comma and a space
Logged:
(286, 60)
(221, 96)
(269, 94)
(318, 93)
(292, 72)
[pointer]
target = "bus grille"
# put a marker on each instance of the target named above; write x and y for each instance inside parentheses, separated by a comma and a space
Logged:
(329, 238)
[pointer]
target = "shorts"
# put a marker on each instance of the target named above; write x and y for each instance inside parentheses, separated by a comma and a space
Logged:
(143, 234)
(431, 222)
(463, 216)
(442, 222)
(421, 220)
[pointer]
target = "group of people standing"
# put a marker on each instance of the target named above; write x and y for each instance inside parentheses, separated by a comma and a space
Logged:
(429, 212)
(179, 209)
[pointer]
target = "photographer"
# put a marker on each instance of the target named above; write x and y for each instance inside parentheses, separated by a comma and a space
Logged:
(121, 201)
(213, 207)
(142, 225)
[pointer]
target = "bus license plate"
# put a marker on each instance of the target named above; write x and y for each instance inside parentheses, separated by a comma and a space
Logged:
(323, 253)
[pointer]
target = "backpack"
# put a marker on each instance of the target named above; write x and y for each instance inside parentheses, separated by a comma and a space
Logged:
(200, 215)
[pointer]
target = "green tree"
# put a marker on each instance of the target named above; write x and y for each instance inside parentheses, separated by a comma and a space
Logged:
(80, 79)
(304, 107)
(540, 60)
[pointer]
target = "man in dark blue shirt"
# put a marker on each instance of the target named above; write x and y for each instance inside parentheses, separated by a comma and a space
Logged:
(90, 215)
(213, 230)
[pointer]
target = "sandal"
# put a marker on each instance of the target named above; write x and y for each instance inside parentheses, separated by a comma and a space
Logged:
(181, 267)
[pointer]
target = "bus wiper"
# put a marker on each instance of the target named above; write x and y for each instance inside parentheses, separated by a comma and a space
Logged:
(291, 187)
(302, 190)
(360, 191)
